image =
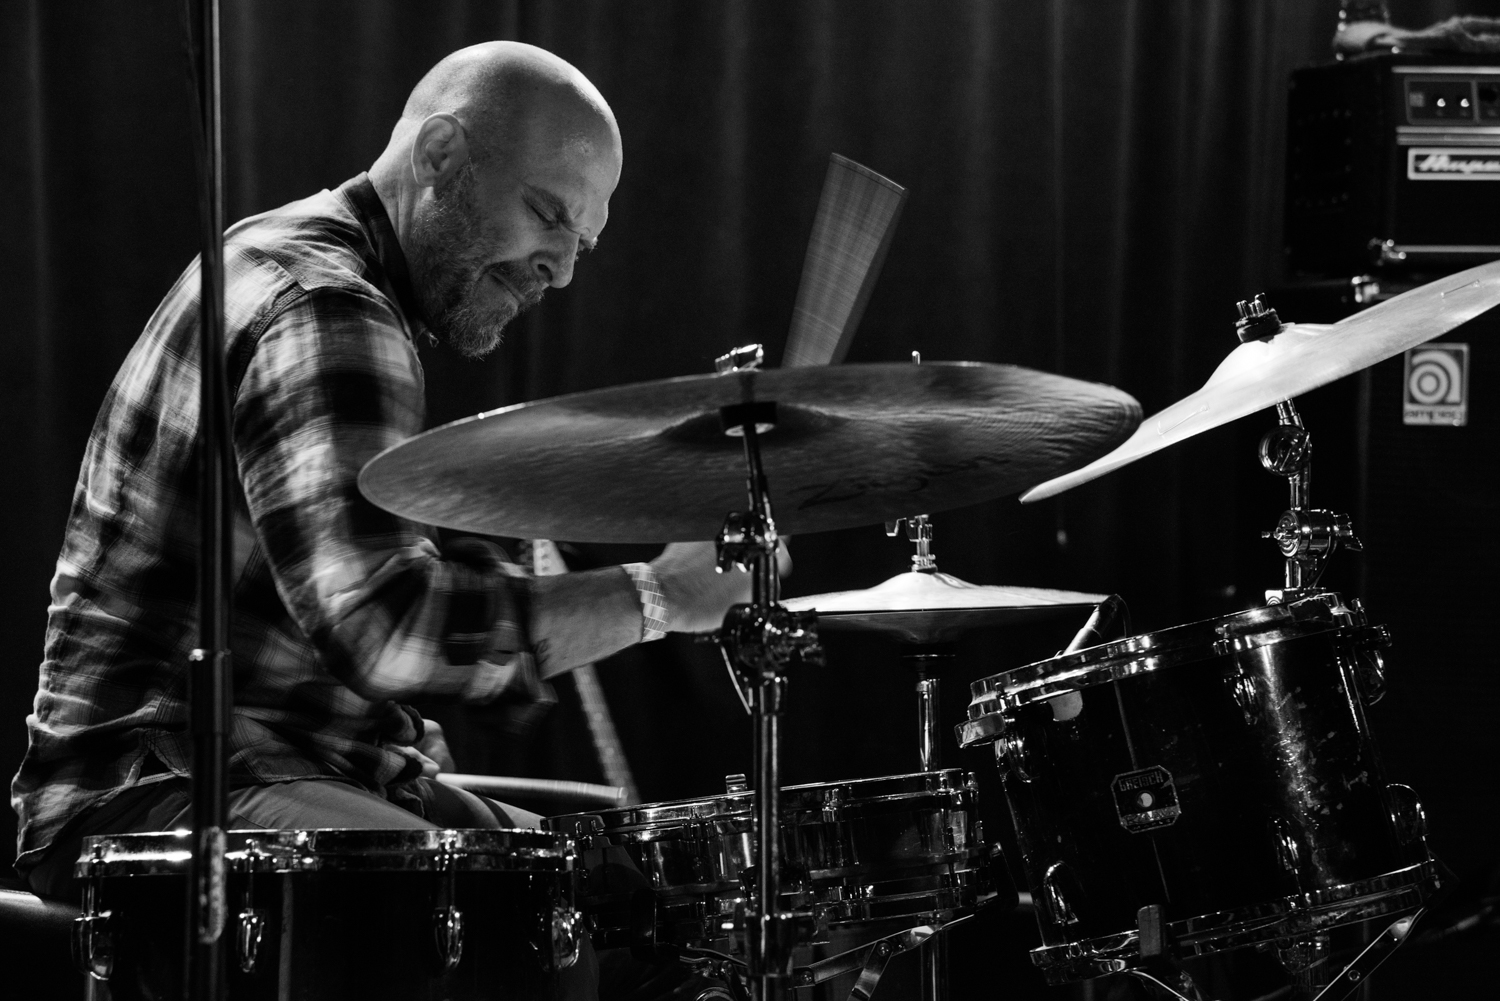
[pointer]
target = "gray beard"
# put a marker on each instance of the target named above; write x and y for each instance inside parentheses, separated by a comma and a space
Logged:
(445, 280)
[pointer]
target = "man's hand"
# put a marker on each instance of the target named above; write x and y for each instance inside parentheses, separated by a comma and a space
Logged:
(696, 594)
(431, 751)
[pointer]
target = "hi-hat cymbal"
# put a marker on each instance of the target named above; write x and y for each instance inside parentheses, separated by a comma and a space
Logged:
(921, 607)
(852, 445)
(1302, 357)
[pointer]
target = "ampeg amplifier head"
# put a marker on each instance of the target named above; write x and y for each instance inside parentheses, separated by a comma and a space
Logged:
(1393, 163)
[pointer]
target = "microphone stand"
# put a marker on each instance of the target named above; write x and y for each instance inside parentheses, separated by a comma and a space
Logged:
(208, 674)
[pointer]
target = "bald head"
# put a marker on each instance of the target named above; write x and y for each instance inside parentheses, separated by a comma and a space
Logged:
(496, 178)
(511, 93)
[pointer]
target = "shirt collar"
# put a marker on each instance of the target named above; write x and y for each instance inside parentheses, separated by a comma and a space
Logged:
(394, 275)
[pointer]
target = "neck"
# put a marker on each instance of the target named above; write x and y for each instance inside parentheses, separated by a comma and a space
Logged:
(397, 197)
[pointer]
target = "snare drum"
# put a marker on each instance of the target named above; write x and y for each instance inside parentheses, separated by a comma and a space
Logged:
(340, 914)
(1202, 788)
(864, 850)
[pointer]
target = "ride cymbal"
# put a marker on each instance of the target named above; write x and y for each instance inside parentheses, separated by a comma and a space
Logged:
(1303, 356)
(852, 445)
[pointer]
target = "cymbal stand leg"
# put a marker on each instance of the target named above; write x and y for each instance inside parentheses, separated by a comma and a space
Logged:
(935, 968)
(760, 640)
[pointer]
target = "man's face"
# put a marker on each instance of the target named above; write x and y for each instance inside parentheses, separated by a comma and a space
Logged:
(489, 242)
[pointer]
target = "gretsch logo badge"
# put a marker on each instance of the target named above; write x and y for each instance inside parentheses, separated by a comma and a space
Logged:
(1145, 799)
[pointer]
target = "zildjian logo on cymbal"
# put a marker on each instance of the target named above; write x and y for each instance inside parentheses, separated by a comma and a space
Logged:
(911, 482)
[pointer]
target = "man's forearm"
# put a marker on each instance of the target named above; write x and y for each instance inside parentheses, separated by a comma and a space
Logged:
(578, 618)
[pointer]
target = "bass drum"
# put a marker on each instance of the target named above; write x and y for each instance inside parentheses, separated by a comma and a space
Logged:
(340, 914)
(1202, 788)
(856, 852)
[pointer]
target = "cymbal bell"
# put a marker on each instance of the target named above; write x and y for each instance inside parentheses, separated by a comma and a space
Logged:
(1301, 357)
(852, 445)
(932, 607)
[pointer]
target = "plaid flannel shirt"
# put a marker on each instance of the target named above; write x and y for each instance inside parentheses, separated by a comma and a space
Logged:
(339, 607)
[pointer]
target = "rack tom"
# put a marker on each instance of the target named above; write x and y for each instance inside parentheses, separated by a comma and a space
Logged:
(340, 914)
(864, 850)
(1202, 788)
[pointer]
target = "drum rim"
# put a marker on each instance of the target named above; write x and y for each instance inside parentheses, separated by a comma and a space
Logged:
(333, 849)
(1278, 919)
(1175, 646)
(733, 807)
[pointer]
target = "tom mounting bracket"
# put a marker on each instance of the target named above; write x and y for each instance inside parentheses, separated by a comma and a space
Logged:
(1305, 535)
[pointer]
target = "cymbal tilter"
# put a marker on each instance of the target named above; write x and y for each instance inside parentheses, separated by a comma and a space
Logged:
(1306, 536)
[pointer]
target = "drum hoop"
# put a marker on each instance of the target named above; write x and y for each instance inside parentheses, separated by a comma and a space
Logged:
(950, 788)
(1278, 919)
(1145, 653)
(333, 849)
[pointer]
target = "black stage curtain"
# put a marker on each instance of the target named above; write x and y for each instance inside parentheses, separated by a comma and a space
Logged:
(1092, 186)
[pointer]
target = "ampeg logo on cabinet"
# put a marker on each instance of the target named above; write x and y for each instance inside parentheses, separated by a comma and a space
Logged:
(1460, 163)
(1437, 385)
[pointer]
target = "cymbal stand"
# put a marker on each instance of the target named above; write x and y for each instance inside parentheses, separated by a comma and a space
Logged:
(759, 642)
(1306, 536)
(925, 659)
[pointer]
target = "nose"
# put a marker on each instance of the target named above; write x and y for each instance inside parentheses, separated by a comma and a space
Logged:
(553, 264)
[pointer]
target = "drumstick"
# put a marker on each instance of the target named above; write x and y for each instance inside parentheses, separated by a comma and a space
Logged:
(507, 785)
(1069, 704)
(1093, 630)
(851, 233)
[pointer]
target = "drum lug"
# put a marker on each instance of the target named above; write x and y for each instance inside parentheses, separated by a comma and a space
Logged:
(448, 932)
(1369, 673)
(1407, 814)
(1246, 693)
(93, 945)
(565, 938)
(447, 919)
(1056, 900)
(1288, 851)
(1011, 755)
(252, 928)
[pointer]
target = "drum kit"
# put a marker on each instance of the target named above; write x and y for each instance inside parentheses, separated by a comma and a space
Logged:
(1176, 794)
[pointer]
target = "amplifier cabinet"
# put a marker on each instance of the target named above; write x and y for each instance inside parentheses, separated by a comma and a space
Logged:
(1393, 163)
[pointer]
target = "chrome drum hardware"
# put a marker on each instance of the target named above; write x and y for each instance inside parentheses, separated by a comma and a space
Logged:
(677, 874)
(1219, 788)
(343, 914)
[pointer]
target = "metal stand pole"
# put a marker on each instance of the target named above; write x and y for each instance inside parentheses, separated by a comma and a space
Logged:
(208, 672)
(935, 968)
(927, 660)
(760, 641)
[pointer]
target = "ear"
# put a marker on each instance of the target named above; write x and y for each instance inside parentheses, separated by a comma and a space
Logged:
(440, 147)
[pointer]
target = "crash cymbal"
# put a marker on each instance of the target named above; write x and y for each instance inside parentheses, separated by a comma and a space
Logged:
(1302, 357)
(852, 445)
(921, 607)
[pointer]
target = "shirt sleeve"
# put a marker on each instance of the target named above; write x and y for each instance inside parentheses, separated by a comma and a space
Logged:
(333, 381)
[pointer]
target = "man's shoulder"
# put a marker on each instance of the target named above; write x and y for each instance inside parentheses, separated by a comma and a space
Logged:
(310, 245)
